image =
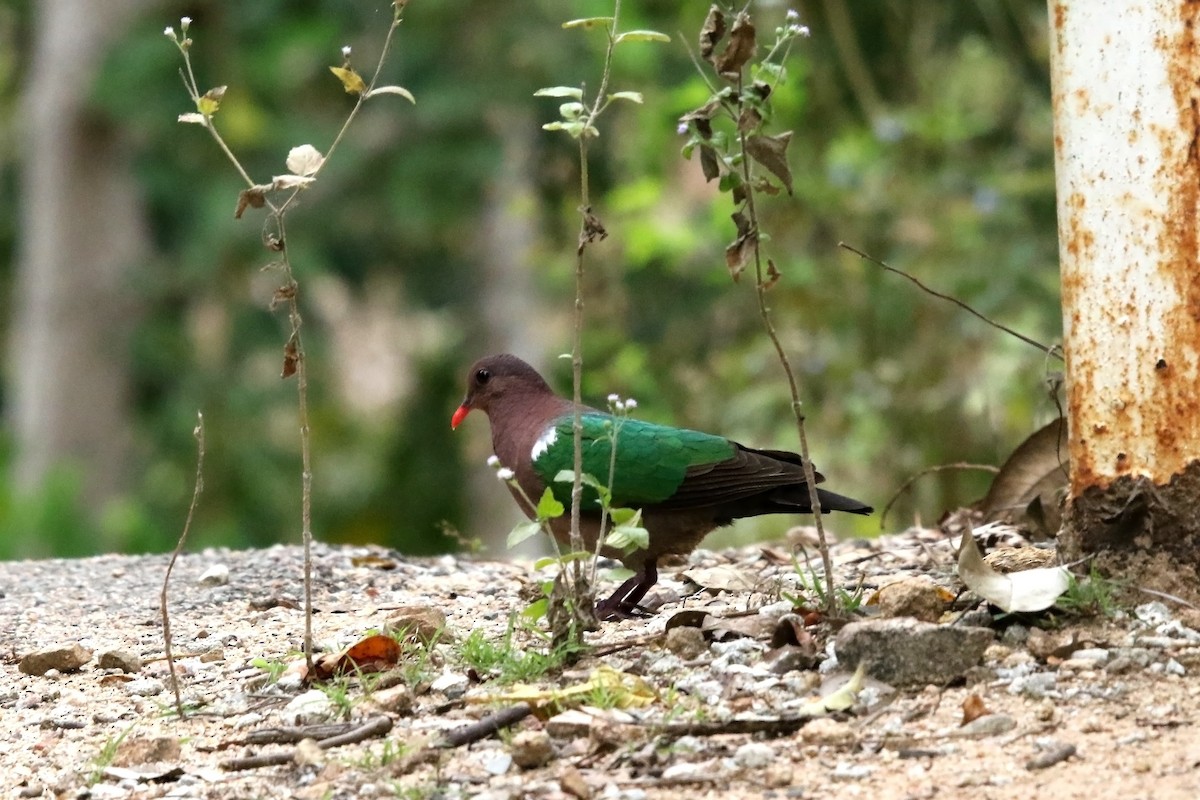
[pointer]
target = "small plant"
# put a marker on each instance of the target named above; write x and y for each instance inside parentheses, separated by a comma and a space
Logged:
(377, 758)
(104, 759)
(273, 667)
(1090, 595)
(506, 662)
(814, 592)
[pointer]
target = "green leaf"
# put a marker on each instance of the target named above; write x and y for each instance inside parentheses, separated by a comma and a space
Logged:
(624, 516)
(536, 610)
(548, 507)
(635, 97)
(565, 558)
(642, 36)
(560, 91)
(400, 90)
(588, 22)
(628, 538)
(521, 532)
(568, 476)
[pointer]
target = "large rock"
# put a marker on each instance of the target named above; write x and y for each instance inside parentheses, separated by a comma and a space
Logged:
(906, 652)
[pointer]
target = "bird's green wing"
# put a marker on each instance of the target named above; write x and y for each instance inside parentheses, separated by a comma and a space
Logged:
(652, 461)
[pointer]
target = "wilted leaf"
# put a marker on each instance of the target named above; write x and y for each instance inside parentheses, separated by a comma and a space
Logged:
(588, 22)
(291, 357)
(1029, 590)
(209, 102)
(973, 708)
(749, 120)
(282, 182)
(712, 33)
(641, 36)
(375, 653)
(722, 578)
(773, 275)
(739, 253)
(710, 162)
(304, 159)
(352, 82)
(522, 531)
(254, 197)
(635, 97)
(560, 91)
(740, 49)
(623, 689)
(195, 119)
(1026, 488)
(396, 90)
(840, 700)
(771, 152)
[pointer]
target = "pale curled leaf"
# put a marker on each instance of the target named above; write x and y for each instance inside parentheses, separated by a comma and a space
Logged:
(281, 182)
(635, 97)
(842, 699)
(587, 22)
(560, 91)
(1028, 590)
(642, 36)
(397, 90)
(352, 82)
(193, 118)
(304, 160)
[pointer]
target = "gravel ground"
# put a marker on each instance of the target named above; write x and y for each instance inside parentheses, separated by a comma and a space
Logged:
(1082, 708)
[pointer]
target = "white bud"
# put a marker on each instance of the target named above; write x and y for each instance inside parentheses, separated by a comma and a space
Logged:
(614, 398)
(681, 128)
(505, 474)
(184, 23)
(169, 32)
(493, 462)
(799, 30)
(346, 51)
(793, 15)
(630, 404)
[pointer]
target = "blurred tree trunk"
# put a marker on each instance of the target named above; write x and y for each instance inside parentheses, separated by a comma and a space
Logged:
(1127, 127)
(508, 306)
(82, 230)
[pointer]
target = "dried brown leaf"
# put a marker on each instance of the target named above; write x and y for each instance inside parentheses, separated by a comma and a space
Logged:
(712, 33)
(710, 163)
(291, 358)
(740, 49)
(973, 708)
(771, 152)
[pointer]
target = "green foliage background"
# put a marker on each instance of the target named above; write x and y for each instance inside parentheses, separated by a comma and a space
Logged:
(922, 135)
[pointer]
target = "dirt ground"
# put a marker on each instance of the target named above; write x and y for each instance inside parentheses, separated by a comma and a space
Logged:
(1073, 706)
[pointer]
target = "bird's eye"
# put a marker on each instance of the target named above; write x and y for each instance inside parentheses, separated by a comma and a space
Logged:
(482, 376)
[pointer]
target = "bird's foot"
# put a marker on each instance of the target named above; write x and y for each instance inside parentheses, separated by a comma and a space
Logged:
(614, 608)
(624, 603)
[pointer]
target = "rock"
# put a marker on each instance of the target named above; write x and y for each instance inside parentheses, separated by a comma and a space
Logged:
(569, 724)
(135, 750)
(64, 658)
(907, 652)
(309, 753)
(496, 762)
(310, 708)
(754, 755)
(572, 783)
(689, 771)
(395, 700)
(686, 642)
(146, 687)
(424, 623)
(123, 660)
(451, 684)
(216, 575)
(911, 597)
(531, 749)
(987, 725)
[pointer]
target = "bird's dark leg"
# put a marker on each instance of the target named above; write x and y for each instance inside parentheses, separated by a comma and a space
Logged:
(623, 603)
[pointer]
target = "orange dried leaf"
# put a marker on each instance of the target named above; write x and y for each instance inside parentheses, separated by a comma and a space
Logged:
(974, 708)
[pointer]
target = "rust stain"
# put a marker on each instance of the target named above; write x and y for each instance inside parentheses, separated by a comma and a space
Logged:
(1173, 391)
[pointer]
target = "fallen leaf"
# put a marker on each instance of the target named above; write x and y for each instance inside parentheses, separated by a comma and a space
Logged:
(842, 699)
(623, 689)
(1026, 489)
(1029, 590)
(973, 708)
(375, 653)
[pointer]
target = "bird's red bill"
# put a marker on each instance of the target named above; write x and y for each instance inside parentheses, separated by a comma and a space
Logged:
(459, 416)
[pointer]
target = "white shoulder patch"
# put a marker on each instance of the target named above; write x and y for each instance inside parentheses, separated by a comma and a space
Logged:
(543, 442)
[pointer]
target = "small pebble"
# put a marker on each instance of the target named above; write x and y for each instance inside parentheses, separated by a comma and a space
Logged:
(146, 687)
(64, 658)
(1054, 753)
(754, 755)
(987, 725)
(216, 575)
(123, 660)
(497, 762)
(531, 749)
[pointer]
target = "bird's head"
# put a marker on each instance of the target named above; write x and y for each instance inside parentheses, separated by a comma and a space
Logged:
(494, 379)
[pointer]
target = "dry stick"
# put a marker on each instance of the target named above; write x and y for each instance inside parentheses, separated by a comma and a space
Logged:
(198, 487)
(375, 726)
(939, 468)
(764, 310)
(487, 726)
(1054, 351)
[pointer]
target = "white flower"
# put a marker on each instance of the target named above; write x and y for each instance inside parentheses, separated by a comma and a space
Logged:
(169, 32)
(505, 474)
(185, 22)
(493, 461)
(793, 15)
(799, 30)
(630, 404)
(614, 399)
(346, 51)
(681, 128)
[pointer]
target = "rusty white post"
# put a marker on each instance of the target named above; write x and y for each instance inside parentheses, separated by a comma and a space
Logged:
(1127, 160)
